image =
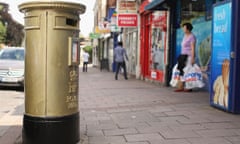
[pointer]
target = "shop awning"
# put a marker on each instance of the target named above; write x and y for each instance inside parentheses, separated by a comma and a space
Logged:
(156, 5)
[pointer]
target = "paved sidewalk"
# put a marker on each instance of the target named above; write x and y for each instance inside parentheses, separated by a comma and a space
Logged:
(11, 116)
(136, 112)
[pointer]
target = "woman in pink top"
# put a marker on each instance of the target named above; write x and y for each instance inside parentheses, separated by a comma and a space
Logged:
(188, 42)
(188, 48)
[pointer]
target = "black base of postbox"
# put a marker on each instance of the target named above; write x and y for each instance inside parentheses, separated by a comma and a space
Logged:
(59, 130)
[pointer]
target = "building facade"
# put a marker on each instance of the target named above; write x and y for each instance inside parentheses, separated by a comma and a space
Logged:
(161, 35)
(111, 34)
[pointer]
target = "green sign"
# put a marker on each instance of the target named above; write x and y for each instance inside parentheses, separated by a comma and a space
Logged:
(94, 35)
(115, 28)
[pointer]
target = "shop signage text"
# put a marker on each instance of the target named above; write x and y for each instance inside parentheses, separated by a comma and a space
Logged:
(127, 7)
(127, 20)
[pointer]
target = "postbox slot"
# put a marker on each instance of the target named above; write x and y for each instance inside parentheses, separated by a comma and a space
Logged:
(71, 22)
(63, 22)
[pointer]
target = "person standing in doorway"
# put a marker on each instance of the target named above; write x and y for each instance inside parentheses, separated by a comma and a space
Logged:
(187, 53)
(85, 61)
(119, 57)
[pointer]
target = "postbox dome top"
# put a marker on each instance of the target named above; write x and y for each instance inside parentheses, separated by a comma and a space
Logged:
(74, 1)
(73, 5)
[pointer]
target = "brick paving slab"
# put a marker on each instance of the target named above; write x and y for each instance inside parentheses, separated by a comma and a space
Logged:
(123, 125)
(177, 141)
(209, 141)
(120, 132)
(145, 130)
(107, 140)
(188, 127)
(178, 134)
(94, 133)
(234, 139)
(217, 133)
(138, 143)
(144, 137)
(220, 125)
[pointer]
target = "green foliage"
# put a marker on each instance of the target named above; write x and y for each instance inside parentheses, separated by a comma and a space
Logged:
(88, 49)
(11, 32)
(3, 33)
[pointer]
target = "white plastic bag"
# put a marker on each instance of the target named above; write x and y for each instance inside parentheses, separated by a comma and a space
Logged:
(193, 77)
(175, 76)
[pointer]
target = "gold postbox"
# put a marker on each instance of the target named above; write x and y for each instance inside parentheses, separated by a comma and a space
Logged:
(51, 71)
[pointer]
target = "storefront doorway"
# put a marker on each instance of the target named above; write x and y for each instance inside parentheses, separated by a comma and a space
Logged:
(154, 45)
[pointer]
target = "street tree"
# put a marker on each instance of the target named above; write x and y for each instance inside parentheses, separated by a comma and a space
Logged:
(14, 33)
(3, 33)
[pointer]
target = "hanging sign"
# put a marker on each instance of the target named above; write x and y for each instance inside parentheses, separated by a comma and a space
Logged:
(94, 35)
(127, 20)
(127, 6)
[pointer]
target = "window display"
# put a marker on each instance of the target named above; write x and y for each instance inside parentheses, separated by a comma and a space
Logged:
(158, 39)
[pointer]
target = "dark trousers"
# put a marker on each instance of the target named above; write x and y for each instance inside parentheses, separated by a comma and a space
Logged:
(182, 60)
(122, 65)
(85, 66)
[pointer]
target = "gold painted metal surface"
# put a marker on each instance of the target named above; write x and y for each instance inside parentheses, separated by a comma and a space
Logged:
(51, 85)
(51, 4)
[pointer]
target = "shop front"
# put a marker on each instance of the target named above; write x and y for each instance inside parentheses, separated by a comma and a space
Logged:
(198, 13)
(154, 47)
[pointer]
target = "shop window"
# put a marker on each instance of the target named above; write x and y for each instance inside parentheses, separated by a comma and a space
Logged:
(191, 9)
(158, 40)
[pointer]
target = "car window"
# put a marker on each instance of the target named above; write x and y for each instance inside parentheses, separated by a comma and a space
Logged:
(19, 54)
(12, 54)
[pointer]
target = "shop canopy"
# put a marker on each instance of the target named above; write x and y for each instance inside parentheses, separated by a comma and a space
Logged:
(156, 5)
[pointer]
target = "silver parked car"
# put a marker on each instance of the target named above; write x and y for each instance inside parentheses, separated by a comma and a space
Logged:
(12, 66)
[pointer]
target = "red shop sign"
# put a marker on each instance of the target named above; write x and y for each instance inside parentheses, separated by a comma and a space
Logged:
(127, 20)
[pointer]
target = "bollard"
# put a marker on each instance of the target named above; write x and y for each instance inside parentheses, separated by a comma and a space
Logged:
(51, 71)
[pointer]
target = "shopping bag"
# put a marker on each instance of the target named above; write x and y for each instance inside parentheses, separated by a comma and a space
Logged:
(175, 76)
(193, 77)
